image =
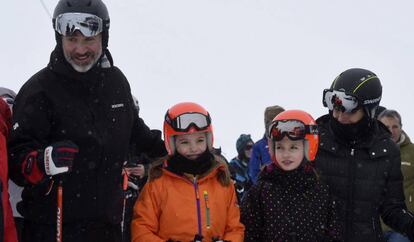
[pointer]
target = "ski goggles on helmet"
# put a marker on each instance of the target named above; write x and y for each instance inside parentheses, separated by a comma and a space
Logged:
(340, 101)
(88, 24)
(293, 129)
(185, 121)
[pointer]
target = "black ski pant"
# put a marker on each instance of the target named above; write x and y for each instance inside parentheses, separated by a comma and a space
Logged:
(75, 232)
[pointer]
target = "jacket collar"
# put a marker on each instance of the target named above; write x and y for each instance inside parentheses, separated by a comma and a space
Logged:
(377, 145)
(219, 169)
(404, 139)
(327, 136)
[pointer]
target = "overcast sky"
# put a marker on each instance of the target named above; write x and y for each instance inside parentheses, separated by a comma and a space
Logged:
(234, 57)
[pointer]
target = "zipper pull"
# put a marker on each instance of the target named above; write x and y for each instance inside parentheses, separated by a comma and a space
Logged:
(352, 151)
(207, 209)
(206, 198)
(196, 188)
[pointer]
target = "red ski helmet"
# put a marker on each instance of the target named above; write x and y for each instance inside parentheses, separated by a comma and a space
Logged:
(186, 118)
(296, 125)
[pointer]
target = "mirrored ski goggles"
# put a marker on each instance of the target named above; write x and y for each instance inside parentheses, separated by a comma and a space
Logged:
(340, 101)
(88, 24)
(185, 121)
(293, 129)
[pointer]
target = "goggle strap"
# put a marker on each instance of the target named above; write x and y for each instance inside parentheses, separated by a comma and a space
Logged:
(311, 129)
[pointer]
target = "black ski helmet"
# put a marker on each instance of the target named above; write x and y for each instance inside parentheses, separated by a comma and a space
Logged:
(362, 84)
(95, 7)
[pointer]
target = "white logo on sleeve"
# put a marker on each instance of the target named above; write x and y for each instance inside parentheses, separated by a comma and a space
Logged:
(118, 105)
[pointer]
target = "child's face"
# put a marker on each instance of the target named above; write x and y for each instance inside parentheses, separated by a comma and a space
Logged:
(289, 153)
(191, 146)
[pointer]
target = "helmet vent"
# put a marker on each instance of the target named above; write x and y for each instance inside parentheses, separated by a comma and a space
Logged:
(90, 3)
(68, 4)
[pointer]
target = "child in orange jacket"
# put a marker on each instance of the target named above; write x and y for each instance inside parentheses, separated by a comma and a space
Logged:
(189, 197)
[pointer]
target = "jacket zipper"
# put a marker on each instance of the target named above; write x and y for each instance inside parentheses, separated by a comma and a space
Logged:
(198, 205)
(351, 169)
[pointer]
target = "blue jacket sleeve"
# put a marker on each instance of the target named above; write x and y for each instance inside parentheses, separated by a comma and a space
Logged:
(254, 163)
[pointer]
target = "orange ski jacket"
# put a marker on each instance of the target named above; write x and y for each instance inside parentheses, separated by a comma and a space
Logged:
(178, 207)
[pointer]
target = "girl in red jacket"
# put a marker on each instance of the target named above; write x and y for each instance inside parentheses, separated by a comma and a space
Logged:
(190, 197)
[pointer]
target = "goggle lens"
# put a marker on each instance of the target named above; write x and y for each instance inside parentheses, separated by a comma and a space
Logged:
(185, 121)
(88, 24)
(340, 101)
(293, 129)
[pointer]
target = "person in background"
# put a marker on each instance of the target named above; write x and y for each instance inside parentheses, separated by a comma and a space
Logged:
(392, 120)
(359, 161)
(260, 153)
(289, 201)
(239, 165)
(7, 227)
(136, 172)
(379, 111)
(219, 153)
(189, 195)
(73, 124)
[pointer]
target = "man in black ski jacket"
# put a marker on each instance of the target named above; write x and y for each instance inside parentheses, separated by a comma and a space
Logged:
(359, 161)
(73, 124)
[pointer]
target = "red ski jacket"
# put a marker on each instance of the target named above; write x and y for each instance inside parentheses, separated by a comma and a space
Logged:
(8, 227)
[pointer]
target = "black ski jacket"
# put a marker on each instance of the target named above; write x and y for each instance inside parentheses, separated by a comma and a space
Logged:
(289, 206)
(95, 110)
(365, 178)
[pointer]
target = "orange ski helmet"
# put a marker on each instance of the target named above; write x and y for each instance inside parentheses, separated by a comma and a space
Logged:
(297, 125)
(186, 118)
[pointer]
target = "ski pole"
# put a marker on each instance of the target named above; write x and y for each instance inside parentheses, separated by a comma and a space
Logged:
(124, 188)
(59, 215)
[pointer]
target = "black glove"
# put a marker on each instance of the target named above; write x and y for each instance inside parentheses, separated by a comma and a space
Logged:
(58, 157)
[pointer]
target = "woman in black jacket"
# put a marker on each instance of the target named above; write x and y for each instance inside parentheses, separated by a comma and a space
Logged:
(359, 161)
